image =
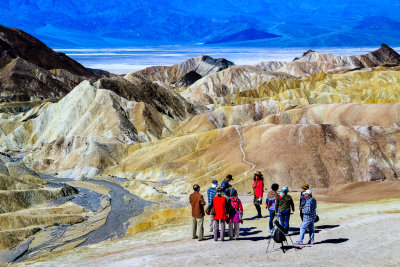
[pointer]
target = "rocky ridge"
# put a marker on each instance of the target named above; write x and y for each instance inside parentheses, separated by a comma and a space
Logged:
(312, 62)
(169, 75)
(30, 71)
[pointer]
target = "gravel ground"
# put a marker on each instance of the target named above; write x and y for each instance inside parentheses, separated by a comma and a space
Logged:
(358, 234)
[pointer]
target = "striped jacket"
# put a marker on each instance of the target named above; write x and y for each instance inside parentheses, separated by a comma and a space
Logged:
(310, 208)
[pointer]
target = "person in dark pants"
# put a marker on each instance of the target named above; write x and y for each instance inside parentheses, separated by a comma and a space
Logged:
(271, 203)
(283, 205)
(303, 199)
(258, 191)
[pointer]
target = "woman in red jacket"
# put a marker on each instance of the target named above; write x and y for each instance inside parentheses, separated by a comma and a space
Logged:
(258, 190)
(219, 204)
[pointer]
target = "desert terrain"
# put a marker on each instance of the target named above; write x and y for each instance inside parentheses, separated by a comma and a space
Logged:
(97, 168)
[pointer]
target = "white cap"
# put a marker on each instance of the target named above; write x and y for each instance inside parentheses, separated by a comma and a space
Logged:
(308, 192)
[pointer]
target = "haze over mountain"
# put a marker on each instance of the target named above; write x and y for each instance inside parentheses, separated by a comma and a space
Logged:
(116, 23)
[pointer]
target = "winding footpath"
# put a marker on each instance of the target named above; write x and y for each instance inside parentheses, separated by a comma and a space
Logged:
(242, 150)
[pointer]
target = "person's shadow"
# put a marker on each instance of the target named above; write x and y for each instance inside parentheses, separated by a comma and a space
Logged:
(317, 229)
(254, 218)
(247, 233)
(333, 241)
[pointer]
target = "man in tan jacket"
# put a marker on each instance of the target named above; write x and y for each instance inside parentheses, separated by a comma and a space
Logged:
(197, 202)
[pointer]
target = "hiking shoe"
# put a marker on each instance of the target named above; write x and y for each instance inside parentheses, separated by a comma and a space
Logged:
(195, 237)
(310, 243)
(298, 243)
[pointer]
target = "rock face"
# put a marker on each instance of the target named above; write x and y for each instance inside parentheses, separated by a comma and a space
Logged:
(93, 122)
(31, 71)
(365, 86)
(290, 154)
(220, 87)
(312, 62)
(16, 43)
(271, 65)
(23, 81)
(169, 75)
(188, 79)
(139, 89)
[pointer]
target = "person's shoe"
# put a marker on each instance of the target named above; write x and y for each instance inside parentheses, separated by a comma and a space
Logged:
(195, 237)
(230, 238)
(298, 243)
(236, 238)
(201, 239)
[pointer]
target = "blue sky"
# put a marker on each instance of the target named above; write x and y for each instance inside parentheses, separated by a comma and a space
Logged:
(117, 23)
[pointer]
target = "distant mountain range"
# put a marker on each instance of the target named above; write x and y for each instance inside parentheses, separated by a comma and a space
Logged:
(246, 35)
(118, 23)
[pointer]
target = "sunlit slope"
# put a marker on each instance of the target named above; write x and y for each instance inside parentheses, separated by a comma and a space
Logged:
(291, 154)
(381, 85)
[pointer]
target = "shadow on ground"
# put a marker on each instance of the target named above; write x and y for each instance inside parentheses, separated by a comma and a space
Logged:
(333, 241)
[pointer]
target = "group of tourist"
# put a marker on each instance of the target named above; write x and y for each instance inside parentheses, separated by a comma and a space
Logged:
(224, 206)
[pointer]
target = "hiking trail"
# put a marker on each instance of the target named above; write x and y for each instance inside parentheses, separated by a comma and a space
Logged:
(242, 150)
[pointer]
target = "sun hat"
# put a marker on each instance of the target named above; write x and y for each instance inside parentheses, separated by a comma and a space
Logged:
(229, 176)
(307, 192)
(305, 186)
(285, 189)
(258, 173)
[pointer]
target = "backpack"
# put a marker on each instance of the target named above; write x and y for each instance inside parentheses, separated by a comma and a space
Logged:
(236, 209)
(270, 204)
(279, 237)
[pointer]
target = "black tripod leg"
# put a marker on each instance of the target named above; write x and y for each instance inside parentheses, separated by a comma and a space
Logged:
(292, 243)
(269, 241)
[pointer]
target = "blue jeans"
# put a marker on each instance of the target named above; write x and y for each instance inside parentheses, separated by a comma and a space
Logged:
(285, 217)
(307, 224)
(271, 219)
